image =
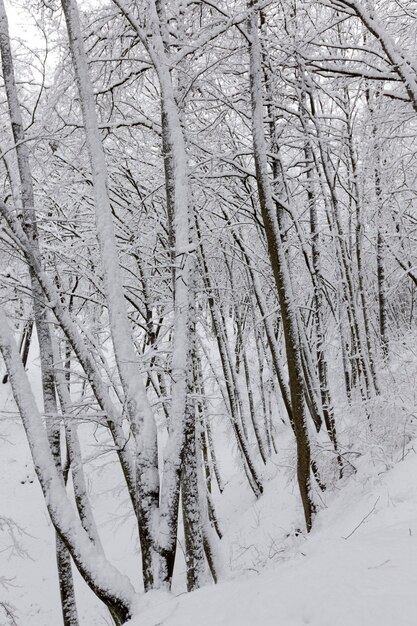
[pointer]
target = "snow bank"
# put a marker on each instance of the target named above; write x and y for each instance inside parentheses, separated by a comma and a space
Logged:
(358, 567)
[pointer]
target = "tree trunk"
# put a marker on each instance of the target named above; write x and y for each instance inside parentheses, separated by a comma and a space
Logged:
(41, 313)
(113, 588)
(280, 271)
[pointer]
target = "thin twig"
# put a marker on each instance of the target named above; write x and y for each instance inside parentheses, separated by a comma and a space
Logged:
(360, 523)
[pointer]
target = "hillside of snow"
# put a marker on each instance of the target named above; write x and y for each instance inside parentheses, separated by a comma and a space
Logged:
(358, 567)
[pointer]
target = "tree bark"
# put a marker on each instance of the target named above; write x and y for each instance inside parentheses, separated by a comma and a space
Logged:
(41, 312)
(280, 271)
(113, 588)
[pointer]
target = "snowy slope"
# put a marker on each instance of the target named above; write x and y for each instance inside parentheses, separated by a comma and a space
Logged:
(357, 568)
(29, 568)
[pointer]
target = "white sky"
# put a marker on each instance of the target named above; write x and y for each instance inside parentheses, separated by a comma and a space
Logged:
(20, 23)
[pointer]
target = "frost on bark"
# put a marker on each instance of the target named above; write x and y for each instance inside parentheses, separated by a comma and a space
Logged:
(41, 312)
(230, 382)
(280, 271)
(372, 100)
(157, 513)
(402, 62)
(146, 479)
(114, 589)
(180, 454)
(194, 543)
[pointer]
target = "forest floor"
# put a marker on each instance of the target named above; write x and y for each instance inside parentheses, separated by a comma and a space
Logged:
(358, 567)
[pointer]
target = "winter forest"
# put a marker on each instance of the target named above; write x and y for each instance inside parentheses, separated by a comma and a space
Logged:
(208, 312)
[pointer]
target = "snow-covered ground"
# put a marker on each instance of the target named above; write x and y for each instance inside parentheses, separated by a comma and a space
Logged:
(358, 567)
(27, 550)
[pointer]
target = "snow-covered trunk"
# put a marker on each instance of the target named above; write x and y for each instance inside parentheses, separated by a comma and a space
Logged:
(190, 496)
(207, 514)
(274, 354)
(279, 184)
(311, 382)
(113, 588)
(206, 436)
(156, 379)
(24, 345)
(359, 236)
(193, 532)
(154, 39)
(280, 270)
(354, 354)
(322, 367)
(208, 468)
(235, 365)
(137, 404)
(372, 98)
(74, 452)
(41, 311)
(402, 62)
(79, 346)
(66, 583)
(259, 345)
(203, 472)
(53, 428)
(380, 262)
(280, 189)
(318, 296)
(316, 274)
(190, 484)
(231, 402)
(245, 391)
(178, 198)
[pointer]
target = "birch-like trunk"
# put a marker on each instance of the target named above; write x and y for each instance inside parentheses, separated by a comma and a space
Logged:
(113, 588)
(179, 207)
(41, 311)
(137, 404)
(178, 202)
